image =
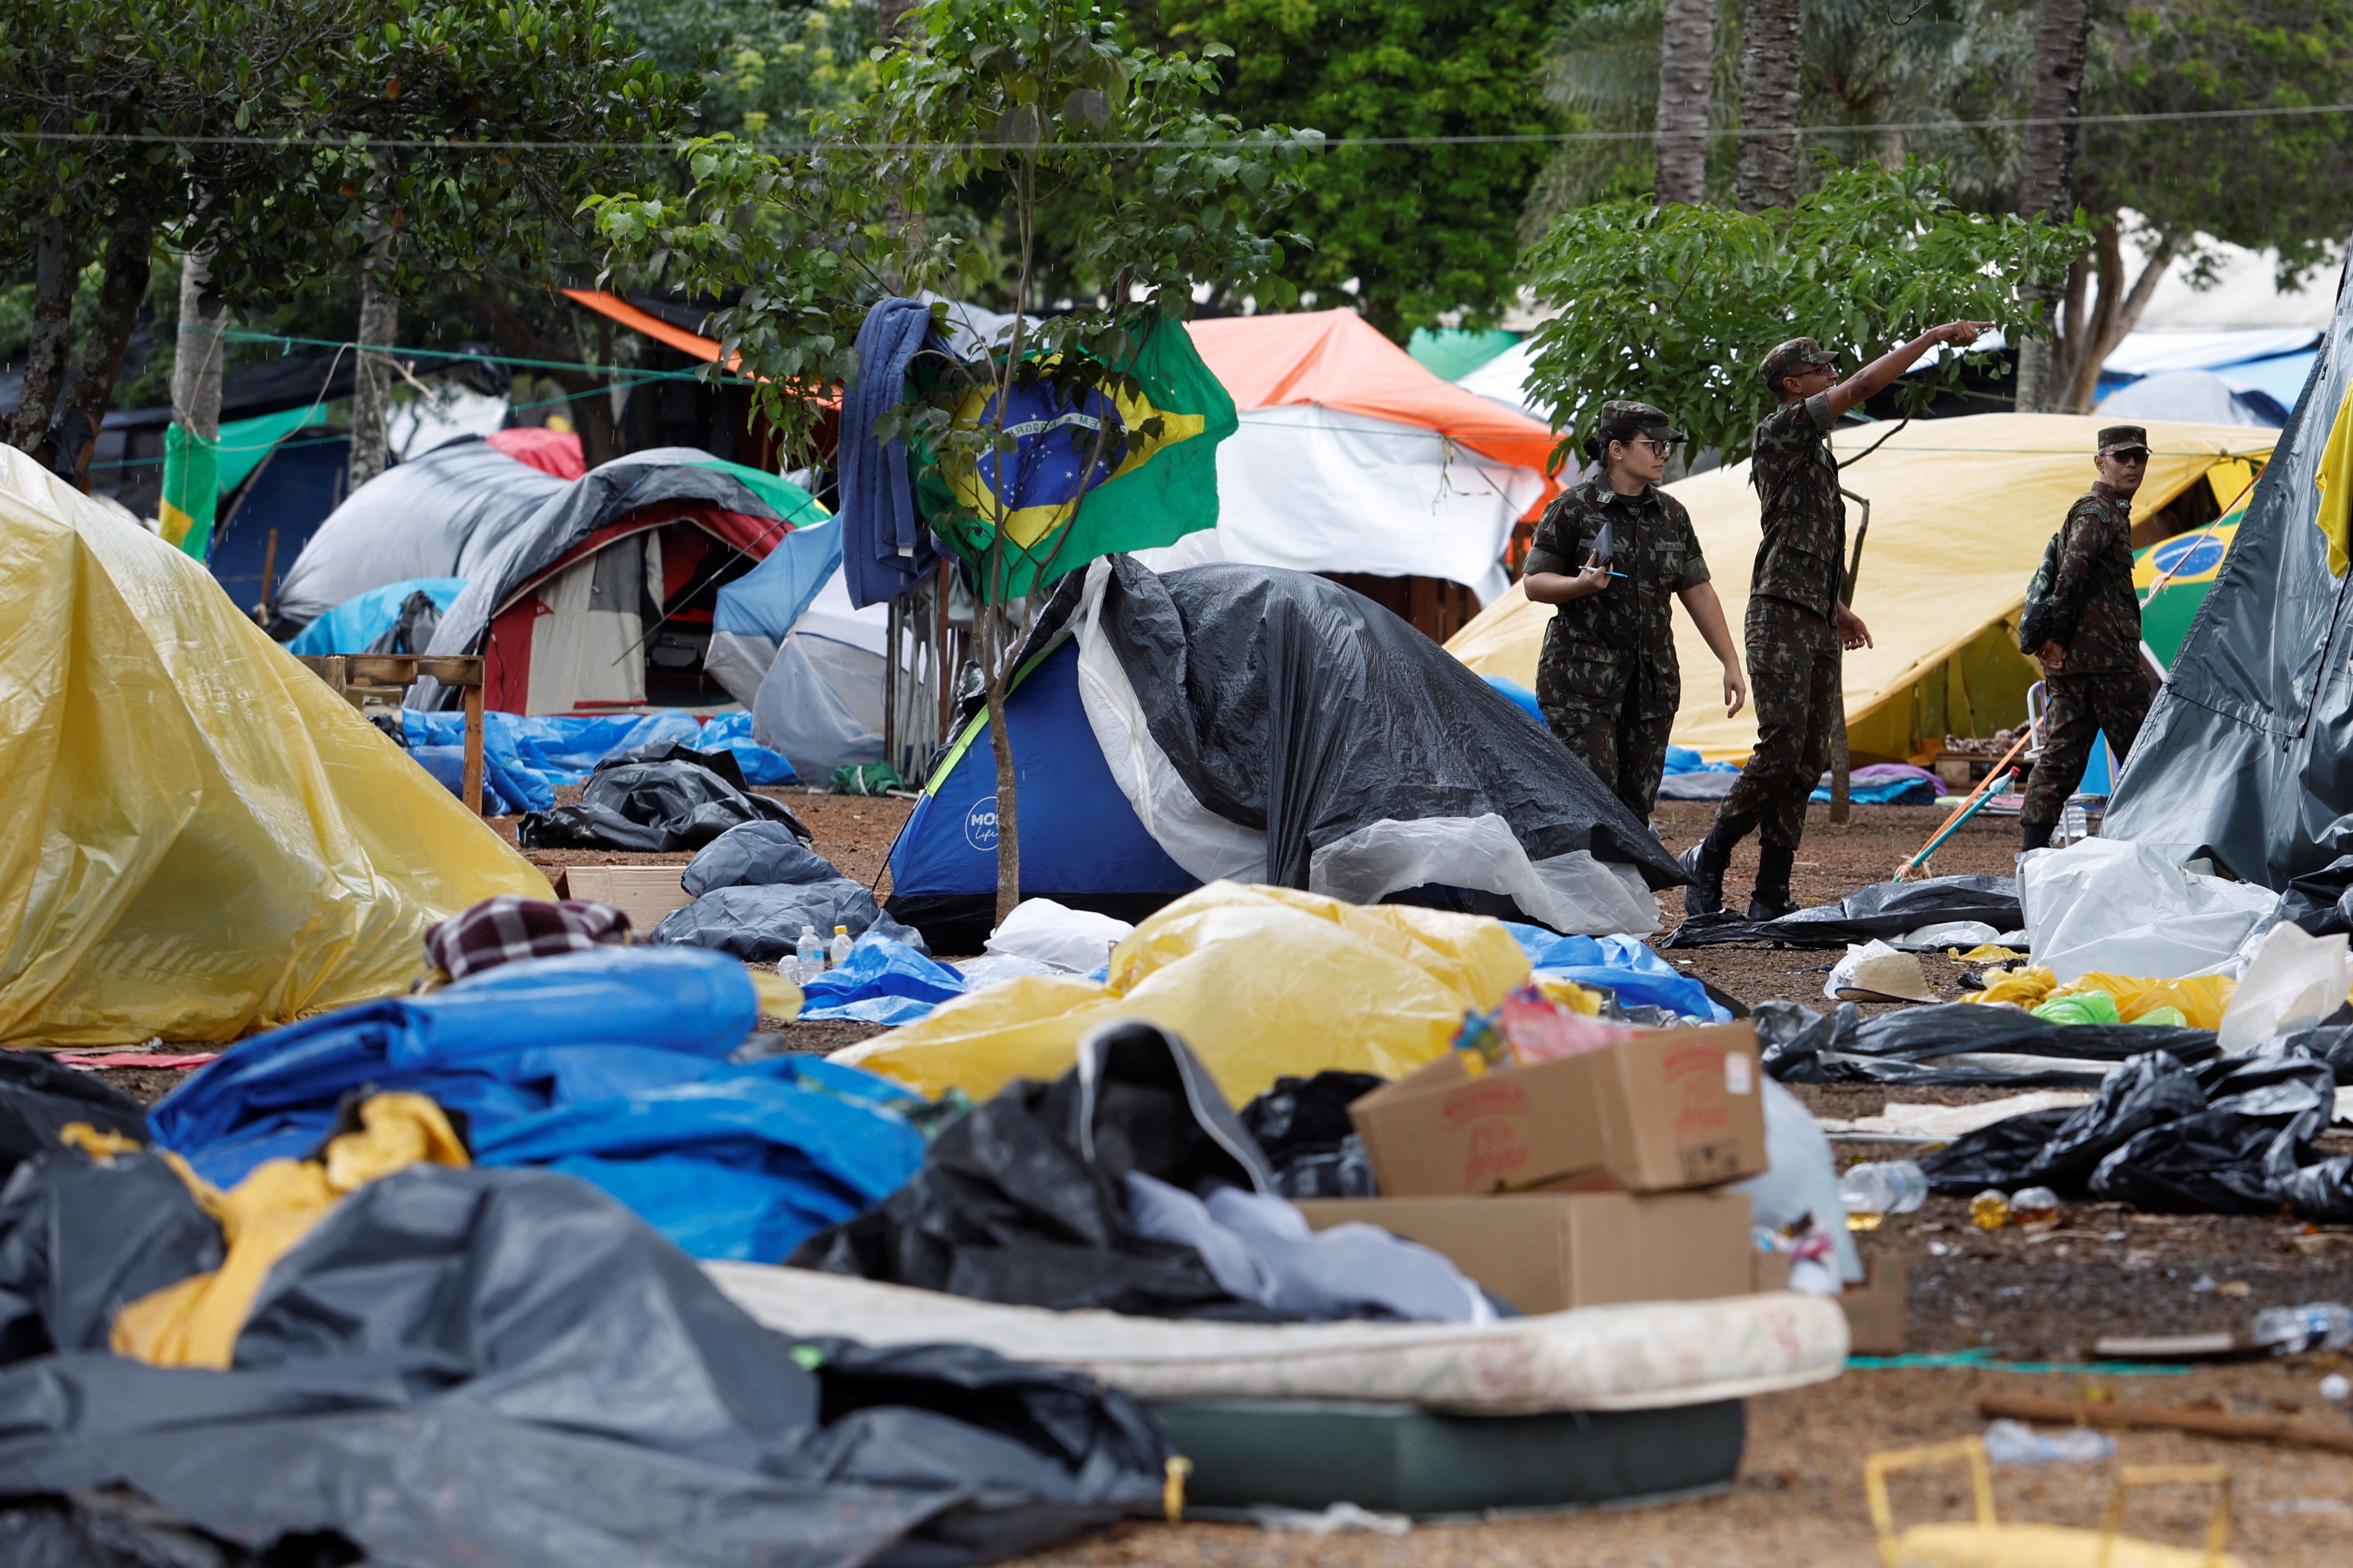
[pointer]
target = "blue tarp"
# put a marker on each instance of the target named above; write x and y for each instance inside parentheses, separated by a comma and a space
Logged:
(357, 622)
(883, 982)
(610, 1063)
(766, 600)
(1686, 760)
(1520, 695)
(525, 757)
(1639, 976)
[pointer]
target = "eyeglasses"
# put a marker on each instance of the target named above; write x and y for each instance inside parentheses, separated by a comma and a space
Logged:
(2129, 455)
(1661, 447)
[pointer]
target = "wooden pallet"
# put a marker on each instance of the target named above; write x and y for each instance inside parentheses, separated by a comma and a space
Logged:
(360, 677)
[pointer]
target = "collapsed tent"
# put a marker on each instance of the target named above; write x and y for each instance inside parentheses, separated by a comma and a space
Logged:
(1960, 511)
(2245, 755)
(207, 841)
(1353, 458)
(1270, 726)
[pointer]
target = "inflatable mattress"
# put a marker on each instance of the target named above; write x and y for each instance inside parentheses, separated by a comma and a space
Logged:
(1638, 1356)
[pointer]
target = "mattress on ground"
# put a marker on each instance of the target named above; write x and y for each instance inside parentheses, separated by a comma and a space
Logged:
(1642, 1355)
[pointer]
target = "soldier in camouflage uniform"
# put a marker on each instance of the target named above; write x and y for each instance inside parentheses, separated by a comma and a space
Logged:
(1609, 553)
(2092, 672)
(1797, 618)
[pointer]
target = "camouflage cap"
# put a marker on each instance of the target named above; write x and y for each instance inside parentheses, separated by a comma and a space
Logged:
(2123, 439)
(1795, 355)
(1623, 415)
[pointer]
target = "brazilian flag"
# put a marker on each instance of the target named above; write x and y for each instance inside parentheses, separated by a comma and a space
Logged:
(1085, 478)
(191, 490)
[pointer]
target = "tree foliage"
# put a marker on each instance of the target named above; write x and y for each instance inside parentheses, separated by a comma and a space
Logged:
(1677, 306)
(1421, 232)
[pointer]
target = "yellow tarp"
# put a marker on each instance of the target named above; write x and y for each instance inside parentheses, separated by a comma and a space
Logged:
(195, 1323)
(1961, 510)
(1259, 982)
(198, 837)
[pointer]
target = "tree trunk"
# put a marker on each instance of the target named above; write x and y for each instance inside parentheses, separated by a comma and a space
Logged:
(120, 293)
(372, 386)
(2119, 310)
(55, 271)
(1769, 61)
(2046, 180)
(196, 356)
(988, 636)
(1686, 63)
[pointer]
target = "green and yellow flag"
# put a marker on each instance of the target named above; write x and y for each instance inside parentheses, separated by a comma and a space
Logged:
(191, 490)
(1066, 494)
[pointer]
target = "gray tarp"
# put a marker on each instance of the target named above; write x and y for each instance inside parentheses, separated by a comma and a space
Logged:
(2247, 751)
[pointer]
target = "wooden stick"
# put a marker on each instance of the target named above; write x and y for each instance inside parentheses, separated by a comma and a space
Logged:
(2280, 1429)
(1968, 806)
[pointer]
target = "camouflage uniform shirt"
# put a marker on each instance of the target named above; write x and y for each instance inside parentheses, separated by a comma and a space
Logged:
(1802, 558)
(1629, 621)
(2097, 612)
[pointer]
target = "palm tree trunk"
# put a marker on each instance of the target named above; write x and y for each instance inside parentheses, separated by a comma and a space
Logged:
(1770, 59)
(2046, 181)
(1686, 61)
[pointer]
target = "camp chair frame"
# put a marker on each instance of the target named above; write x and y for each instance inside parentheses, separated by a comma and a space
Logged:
(1879, 1466)
(359, 675)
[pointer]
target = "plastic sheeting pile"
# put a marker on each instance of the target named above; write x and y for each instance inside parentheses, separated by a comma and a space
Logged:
(525, 758)
(754, 888)
(1956, 1043)
(657, 798)
(610, 1065)
(202, 839)
(1888, 911)
(2233, 1136)
(1263, 980)
(465, 1365)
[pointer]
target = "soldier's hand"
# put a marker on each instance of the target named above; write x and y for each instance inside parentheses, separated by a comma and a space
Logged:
(1595, 577)
(2052, 656)
(1852, 634)
(1963, 333)
(1735, 691)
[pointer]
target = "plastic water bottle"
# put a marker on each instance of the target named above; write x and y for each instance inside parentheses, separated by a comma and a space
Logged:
(808, 956)
(2314, 1326)
(1873, 1191)
(840, 955)
(2074, 823)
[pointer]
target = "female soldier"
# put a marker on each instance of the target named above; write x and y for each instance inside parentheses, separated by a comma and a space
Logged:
(1608, 553)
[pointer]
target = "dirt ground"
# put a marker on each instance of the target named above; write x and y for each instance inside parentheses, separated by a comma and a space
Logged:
(2023, 1298)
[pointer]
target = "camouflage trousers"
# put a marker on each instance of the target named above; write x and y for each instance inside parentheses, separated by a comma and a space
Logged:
(2079, 707)
(1603, 718)
(1793, 672)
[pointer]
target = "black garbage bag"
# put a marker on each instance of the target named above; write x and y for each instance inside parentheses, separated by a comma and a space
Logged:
(1024, 1200)
(1302, 1126)
(1887, 911)
(2330, 1043)
(756, 886)
(39, 1097)
(120, 1529)
(81, 1240)
(412, 631)
(506, 1366)
(1916, 1045)
(2060, 1149)
(656, 799)
(2321, 901)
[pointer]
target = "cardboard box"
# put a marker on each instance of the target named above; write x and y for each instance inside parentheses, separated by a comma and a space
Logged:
(1666, 1109)
(1875, 1310)
(1546, 1252)
(644, 893)
(1769, 1271)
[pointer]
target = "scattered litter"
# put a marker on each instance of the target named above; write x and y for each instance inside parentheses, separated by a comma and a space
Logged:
(1954, 1043)
(1622, 967)
(2107, 905)
(1340, 1519)
(1989, 1210)
(2307, 1505)
(1875, 972)
(884, 981)
(1942, 1123)
(1800, 1185)
(2292, 983)
(655, 798)
(2015, 1442)
(1887, 911)
(2118, 1415)
(1876, 1189)
(1302, 1126)
(996, 968)
(2293, 1331)
(2336, 1388)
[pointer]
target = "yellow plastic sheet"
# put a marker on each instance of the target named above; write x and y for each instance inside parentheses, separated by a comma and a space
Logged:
(264, 1216)
(1259, 982)
(198, 839)
(1960, 509)
(2026, 987)
(2201, 1000)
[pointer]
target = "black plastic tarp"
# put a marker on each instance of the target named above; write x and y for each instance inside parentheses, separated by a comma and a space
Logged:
(39, 1097)
(1023, 1200)
(1288, 703)
(1886, 911)
(656, 799)
(1302, 1124)
(755, 887)
(1918, 1044)
(505, 1369)
(2247, 756)
(2233, 1136)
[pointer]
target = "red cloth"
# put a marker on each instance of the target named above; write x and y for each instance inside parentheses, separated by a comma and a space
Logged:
(553, 452)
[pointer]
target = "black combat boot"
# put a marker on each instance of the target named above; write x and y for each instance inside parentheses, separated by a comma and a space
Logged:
(2036, 835)
(1772, 900)
(1704, 863)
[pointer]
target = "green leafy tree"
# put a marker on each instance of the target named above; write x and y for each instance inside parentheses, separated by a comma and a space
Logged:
(1038, 101)
(1677, 305)
(1407, 234)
